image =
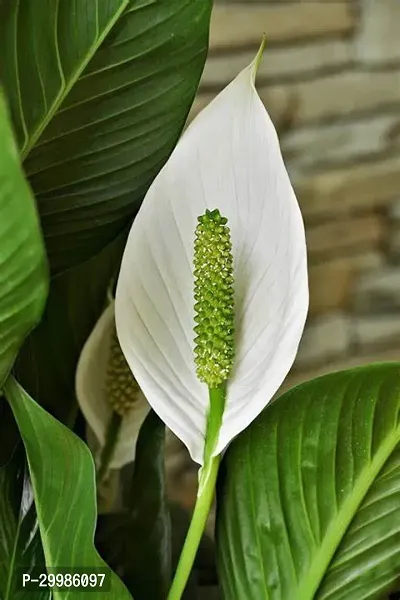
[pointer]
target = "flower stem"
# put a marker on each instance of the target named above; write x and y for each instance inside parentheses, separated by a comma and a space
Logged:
(207, 480)
(113, 430)
(195, 532)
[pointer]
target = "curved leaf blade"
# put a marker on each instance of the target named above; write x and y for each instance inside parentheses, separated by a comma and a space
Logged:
(20, 547)
(137, 542)
(23, 270)
(98, 102)
(76, 300)
(309, 498)
(63, 481)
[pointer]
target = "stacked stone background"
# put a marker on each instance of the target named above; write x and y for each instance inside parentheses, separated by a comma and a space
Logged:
(330, 79)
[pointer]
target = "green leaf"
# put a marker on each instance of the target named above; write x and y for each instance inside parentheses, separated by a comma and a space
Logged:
(99, 93)
(47, 362)
(309, 502)
(23, 272)
(137, 542)
(20, 547)
(63, 481)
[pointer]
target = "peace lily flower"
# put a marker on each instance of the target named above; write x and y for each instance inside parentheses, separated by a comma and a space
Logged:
(228, 159)
(108, 393)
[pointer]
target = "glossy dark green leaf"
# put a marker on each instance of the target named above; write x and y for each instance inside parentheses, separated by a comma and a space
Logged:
(47, 363)
(309, 502)
(23, 269)
(63, 481)
(20, 544)
(136, 543)
(99, 93)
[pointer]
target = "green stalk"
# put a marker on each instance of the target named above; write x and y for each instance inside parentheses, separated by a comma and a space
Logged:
(112, 434)
(207, 480)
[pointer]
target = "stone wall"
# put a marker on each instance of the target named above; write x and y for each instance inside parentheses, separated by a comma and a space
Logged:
(330, 79)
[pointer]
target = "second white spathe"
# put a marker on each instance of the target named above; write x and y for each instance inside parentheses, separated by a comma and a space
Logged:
(92, 395)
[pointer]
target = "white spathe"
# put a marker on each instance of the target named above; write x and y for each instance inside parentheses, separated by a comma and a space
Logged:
(229, 158)
(91, 391)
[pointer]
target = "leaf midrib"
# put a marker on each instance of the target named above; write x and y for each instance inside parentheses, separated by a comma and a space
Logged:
(64, 91)
(338, 527)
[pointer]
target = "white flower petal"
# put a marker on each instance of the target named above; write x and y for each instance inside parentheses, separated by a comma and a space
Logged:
(91, 393)
(229, 158)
